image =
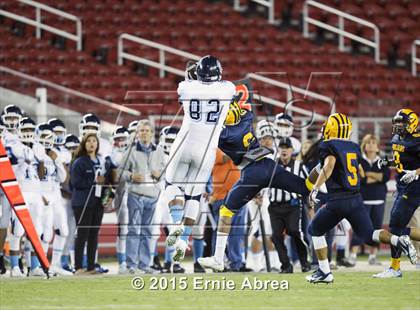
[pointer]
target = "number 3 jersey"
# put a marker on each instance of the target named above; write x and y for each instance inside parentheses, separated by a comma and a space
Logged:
(345, 179)
(205, 109)
(406, 153)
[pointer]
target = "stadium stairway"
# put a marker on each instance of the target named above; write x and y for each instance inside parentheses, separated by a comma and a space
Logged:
(199, 27)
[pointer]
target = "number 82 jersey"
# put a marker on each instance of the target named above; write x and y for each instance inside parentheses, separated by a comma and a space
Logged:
(345, 178)
(205, 108)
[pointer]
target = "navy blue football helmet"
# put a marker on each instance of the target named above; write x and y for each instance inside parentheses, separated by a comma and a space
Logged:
(132, 127)
(59, 129)
(71, 142)
(90, 123)
(209, 69)
(167, 137)
(11, 116)
(120, 137)
(45, 135)
(26, 130)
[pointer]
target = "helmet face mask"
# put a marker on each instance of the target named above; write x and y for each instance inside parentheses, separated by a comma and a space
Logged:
(71, 142)
(120, 138)
(45, 135)
(11, 117)
(26, 130)
(90, 124)
(404, 122)
(59, 136)
(59, 130)
(167, 137)
(284, 125)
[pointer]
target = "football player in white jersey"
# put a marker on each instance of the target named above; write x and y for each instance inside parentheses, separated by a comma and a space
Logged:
(27, 169)
(21, 158)
(71, 143)
(284, 126)
(205, 102)
(120, 138)
(60, 213)
(4, 212)
(55, 215)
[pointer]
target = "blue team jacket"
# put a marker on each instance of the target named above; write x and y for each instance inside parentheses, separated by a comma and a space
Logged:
(82, 182)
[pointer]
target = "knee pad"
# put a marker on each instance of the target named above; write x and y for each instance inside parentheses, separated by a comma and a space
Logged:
(173, 192)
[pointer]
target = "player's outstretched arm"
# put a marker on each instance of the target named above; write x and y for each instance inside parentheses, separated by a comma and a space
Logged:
(326, 171)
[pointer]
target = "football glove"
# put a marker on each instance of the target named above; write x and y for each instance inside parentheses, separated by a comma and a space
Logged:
(409, 176)
(385, 162)
(313, 201)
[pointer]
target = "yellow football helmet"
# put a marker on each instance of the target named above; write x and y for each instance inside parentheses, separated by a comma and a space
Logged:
(337, 126)
(405, 121)
(234, 114)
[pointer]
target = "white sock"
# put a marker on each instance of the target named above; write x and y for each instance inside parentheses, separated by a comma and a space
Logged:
(324, 265)
(353, 255)
(372, 256)
(274, 259)
(394, 240)
(58, 245)
(221, 241)
(45, 246)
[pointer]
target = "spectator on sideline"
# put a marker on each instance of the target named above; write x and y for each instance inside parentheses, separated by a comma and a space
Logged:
(225, 174)
(145, 164)
(373, 189)
(86, 201)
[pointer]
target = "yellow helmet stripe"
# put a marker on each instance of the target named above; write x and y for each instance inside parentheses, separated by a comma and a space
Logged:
(338, 126)
(346, 125)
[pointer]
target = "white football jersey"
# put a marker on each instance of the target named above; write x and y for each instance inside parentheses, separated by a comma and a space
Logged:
(205, 108)
(24, 163)
(105, 148)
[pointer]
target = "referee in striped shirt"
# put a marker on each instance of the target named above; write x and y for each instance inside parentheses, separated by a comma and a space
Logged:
(285, 212)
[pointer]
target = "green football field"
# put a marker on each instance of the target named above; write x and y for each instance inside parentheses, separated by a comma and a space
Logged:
(355, 290)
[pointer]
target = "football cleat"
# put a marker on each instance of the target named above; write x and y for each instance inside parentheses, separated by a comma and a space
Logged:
(198, 268)
(320, 277)
(37, 272)
(177, 268)
(373, 261)
(60, 271)
(211, 263)
(404, 243)
(180, 248)
(122, 268)
(173, 235)
(101, 269)
(15, 272)
(389, 273)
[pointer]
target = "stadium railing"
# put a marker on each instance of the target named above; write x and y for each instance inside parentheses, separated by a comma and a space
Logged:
(269, 4)
(340, 30)
(69, 100)
(163, 67)
(39, 25)
(414, 60)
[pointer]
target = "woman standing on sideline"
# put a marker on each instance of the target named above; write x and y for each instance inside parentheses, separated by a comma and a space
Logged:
(373, 189)
(86, 201)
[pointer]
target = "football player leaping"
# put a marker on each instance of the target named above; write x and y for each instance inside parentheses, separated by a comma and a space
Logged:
(406, 149)
(206, 103)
